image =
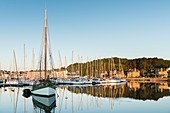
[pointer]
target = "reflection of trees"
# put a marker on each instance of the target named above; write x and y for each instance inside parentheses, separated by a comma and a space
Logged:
(146, 91)
(99, 91)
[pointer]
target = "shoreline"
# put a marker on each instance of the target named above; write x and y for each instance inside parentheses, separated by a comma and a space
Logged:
(148, 79)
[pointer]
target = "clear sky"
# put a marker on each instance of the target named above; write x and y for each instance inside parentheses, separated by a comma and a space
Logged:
(93, 28)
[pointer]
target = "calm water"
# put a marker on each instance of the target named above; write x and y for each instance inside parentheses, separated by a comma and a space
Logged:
(123, 98)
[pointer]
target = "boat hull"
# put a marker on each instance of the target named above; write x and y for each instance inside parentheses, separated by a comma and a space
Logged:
(122, 80)
(44, 92)
(113, 81)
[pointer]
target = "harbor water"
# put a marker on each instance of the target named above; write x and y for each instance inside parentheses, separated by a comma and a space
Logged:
(130, 97)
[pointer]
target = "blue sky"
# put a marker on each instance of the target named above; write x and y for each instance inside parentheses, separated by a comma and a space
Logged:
(93, 28)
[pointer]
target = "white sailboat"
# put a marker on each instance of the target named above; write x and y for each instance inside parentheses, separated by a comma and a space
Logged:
(113, 79)
(14, 81)
(44, 87)
(120, 70)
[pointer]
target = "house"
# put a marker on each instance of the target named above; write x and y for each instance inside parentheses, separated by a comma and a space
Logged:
(164, 72)
(133, 73)
(35, 74)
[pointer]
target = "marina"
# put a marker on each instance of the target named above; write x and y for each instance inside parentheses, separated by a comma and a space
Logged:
(84, 56)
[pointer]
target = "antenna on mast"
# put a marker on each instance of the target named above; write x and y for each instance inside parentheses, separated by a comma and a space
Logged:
(45, 4)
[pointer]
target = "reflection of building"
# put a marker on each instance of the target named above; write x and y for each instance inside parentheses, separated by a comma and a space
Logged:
(133, 73)
(164, 86)
(134, 85)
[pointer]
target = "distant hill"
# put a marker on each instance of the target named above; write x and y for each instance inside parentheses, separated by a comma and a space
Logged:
(145, 65)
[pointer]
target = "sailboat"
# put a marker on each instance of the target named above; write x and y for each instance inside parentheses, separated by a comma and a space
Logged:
(114, 79)
(120, 70)
(16, 81)
(44, 87)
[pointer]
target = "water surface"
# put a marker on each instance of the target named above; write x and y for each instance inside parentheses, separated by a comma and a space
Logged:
(121, 98)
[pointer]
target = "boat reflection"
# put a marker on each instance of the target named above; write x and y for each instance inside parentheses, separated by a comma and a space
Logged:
(111, 90)
(44, 104)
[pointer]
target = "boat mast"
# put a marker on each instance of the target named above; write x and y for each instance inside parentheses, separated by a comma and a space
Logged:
(81, 68)
(33, 60)
(119, 64)
(78, 65)
(24, 63)
(90, 72)
(108, 67)
(113, 66)
(16, 69)
(99, 68)
(72, 63)
(94, 67)
(119, 69)
(45, 44)
(87, 71)
(65, 66)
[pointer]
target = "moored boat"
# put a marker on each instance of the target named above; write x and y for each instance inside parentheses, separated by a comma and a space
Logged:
(44, 87)
(113, 80)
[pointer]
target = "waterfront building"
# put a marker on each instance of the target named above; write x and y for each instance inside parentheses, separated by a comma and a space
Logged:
(34, 74)
(164, 72)
(133, 73)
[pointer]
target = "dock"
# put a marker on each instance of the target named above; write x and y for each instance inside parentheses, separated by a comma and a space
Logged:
(13, 85)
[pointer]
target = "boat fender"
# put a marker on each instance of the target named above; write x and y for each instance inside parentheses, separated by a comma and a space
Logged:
(46, 84)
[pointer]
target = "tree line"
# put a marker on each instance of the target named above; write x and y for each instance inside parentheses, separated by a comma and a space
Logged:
(146, 66)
